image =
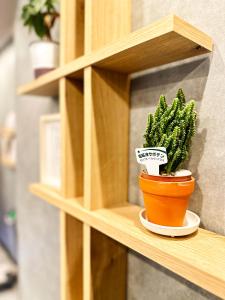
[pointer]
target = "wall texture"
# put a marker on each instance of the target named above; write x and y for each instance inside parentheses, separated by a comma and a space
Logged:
(7, 102)
(7, 175)
(202, 79)
(38, 222)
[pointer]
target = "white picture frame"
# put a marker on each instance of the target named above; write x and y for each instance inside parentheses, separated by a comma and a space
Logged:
(50, 149)
(8, 141)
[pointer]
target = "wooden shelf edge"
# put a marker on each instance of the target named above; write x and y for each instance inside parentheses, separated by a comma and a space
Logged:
(47, 84)
(111, 54)
(199, 258)
(44, 85)
(8, 163)
(6, 132)
(190, 32)
(123, 55)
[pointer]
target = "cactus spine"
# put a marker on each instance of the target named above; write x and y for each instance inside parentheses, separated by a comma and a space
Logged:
(172, 127)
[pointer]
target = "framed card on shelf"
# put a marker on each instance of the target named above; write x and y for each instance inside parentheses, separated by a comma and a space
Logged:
(50, 168)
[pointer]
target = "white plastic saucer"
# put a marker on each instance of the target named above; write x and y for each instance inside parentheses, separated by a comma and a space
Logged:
(191, 224)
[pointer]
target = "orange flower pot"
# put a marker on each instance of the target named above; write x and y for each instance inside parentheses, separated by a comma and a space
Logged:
(166, 200)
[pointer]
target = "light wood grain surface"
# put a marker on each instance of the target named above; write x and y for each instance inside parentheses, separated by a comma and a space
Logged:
(200, 258)
(106, 138)
(94, 235)
(106, 21)
(6, 132)
(167, 40)
(71, 114)
(72, 118)
(71, 244)
(8, 163)
(108, 267)
(71, 30)
(106, 98)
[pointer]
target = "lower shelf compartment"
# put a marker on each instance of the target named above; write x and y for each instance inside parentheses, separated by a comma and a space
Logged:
(200, 258)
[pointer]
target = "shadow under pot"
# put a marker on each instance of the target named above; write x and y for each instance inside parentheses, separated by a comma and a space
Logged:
(166, 198)
(44, 56)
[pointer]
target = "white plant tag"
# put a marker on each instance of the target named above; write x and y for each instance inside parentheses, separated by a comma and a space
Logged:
(152, 158)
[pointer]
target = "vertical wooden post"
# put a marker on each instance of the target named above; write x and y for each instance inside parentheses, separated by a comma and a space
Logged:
(71, 258)
(106, 138)
(105, 22)
(71, 111)
(71, 30)
(87, 278)
(106, 100)
(106, 159)
(108, 267)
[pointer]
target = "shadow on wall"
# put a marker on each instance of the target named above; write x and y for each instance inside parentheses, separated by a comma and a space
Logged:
(149, 276)
(145, 92)
(173, 75)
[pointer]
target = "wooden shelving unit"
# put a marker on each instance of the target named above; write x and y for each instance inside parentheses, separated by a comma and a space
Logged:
(192, 257)
(98, 53)
(6, 135)
(170, 39)
(7, 132)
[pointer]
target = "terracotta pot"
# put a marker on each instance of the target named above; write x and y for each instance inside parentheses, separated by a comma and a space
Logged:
(166, 178)
(166, 200)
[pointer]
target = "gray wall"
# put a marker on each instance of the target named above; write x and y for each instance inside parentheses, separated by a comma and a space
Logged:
(38, 222)
(202, 79)
(7, 103)
(7, 175)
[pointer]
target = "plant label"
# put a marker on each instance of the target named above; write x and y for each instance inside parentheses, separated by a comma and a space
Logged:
(152, 158)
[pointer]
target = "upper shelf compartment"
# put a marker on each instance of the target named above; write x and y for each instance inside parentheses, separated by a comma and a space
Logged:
(167, 40)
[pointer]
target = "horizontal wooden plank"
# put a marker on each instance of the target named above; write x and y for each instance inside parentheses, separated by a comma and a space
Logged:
(200, 258)
(167, 40)
(48, 84)
(45, 85)
(6, 132)
(6, 162)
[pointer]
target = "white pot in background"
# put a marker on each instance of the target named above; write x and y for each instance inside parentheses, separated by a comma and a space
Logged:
(44, 56)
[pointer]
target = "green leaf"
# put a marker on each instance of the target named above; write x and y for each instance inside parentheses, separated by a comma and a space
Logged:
(33, 15)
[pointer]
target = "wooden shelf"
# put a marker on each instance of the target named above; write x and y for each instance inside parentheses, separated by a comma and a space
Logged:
(45, 85)
(167, 40)
(104, 56)
(6, 132)
(48, 84)
(8, 163)
(200, 258)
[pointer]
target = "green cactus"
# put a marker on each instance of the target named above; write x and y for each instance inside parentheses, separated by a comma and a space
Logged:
(172, 127)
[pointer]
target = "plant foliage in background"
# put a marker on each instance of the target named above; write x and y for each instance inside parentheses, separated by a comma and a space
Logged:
(40, 16)
(172, 127)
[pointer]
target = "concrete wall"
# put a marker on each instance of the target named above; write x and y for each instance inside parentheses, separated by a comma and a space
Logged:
(7, 103)
(38, 222)
(7, 175)
(202, 79)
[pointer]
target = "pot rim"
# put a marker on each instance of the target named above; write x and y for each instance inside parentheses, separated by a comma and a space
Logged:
(168, 175)
(43, 41)
(176, 179)
(167, 189)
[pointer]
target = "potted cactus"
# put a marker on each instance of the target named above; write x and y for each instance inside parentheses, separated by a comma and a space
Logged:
(172, 127)
(40, 16)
